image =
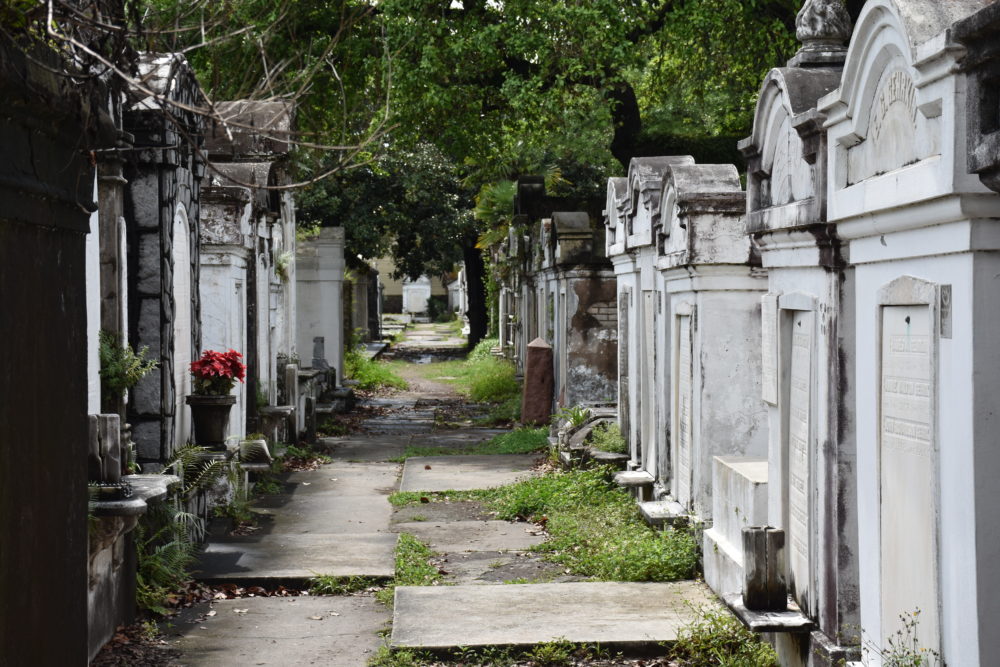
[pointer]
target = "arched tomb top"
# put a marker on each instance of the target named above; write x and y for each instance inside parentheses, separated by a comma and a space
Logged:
(897, 107)
(615, 205)
(645, 183)
(257, 176)
(782, 151)
(702, 217)
(575, 239)
(248, 128)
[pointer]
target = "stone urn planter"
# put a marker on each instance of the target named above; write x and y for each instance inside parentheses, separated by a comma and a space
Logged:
(210, 416)
(214, 376)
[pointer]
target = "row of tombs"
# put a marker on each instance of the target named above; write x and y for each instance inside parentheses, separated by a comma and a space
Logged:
(814, 353)
(173, 235)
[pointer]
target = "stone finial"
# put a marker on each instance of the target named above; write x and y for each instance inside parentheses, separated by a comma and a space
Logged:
(823, 26)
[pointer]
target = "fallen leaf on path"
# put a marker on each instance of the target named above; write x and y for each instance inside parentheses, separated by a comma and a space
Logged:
(212, 613)
(427, 467)
(240, 611)
(316, 618)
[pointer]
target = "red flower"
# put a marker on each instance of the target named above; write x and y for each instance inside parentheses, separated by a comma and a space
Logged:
(216, 372)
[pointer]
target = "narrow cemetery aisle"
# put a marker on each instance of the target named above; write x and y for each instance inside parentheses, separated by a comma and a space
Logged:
(409, 577)
(332, 520)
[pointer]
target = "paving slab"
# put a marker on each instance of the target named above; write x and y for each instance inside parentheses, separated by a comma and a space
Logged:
(293, 559)
(279, 632)
(464, 473)
(474, 535)
(610, 614)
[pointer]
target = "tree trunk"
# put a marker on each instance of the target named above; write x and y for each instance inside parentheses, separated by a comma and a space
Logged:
(478, 311)
(627, 120)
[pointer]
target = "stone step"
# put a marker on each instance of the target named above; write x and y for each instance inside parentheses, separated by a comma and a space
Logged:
(659, 513)
(614, 615)
(638, 482)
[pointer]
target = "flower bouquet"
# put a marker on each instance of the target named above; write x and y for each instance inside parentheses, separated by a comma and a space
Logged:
(216, 372)
(214, 375)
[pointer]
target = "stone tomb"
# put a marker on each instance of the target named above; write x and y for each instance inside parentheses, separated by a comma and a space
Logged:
(632, 211)
(320, 300)
(713, 288)
(922, 237)
(806, 346)
(162, 209)
(585, 322)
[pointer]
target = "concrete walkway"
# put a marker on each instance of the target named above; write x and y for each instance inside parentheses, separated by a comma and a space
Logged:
(614, 615)
(336, 520)
(342, 505)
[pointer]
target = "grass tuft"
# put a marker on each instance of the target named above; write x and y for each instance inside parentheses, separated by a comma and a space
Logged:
(607, 437)
(595, 528)
(328, 584)
(371, 374)
(717, 638)
(412, 568)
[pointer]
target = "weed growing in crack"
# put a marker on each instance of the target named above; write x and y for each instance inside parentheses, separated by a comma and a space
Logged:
(412, 568)
(326, 584)
(519, 441)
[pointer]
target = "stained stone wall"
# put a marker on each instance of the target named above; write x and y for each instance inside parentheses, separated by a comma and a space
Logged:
(46, 185)
(806, 346)
(162, 210)
(919, 228)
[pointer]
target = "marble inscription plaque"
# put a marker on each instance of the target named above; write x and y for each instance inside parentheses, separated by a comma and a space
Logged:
(649, 382)
(909, 563)
(798, 453)
(682, 412)
(769, 348)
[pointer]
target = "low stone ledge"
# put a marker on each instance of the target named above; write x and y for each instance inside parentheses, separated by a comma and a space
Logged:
(600, 457)
(279, 411)
(634, 479)
(145, 489)
(638, 482)
(660, 513)
(790, 620)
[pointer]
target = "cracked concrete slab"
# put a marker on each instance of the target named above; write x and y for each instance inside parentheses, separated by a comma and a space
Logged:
(610, 614)
(464, 473)
(457, 536)
(283, 632)
(293, 559)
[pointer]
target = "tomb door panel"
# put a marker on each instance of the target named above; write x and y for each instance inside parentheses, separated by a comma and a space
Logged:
(682, 410)
(799, 454)
(648, 367)
(907, 480)
(624, 343)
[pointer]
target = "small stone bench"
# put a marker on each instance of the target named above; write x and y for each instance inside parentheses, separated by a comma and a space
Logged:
(661, 513)
(638, 482)
(600, 457)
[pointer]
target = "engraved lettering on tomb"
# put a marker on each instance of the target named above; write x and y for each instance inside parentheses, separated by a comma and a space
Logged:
(907, 472)
(799, 427)
(684, 370)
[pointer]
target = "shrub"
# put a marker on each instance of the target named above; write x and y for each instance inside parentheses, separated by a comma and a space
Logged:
(482, 349)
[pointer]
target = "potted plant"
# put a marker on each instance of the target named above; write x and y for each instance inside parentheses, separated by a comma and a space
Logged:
(214, 375)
